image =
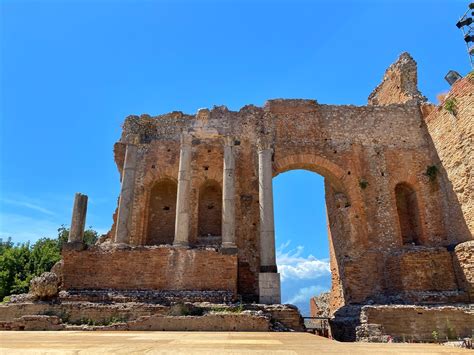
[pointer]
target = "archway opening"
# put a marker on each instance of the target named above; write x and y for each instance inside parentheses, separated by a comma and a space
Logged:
(408, 214)
(210, 213)
(302, 241)
(162, 212)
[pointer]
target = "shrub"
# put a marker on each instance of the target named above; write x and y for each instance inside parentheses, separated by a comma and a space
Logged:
(450, 105)
(363, 184)
(19, 263)
(431, 172)
(231, 309)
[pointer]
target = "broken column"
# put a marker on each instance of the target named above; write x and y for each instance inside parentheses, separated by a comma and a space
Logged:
(228, 196)
(122, 233)
(78, 221)
(181, 235)
(269, 278)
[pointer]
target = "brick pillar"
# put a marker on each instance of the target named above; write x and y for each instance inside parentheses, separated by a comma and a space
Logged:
(269, 278)
(228, 196)
(181, 235)
(122, 232)
(78, 222)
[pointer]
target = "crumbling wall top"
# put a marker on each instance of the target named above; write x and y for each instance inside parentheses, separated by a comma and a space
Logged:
(399, 84)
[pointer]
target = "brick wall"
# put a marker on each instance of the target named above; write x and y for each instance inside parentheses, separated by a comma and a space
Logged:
(420, 269)
(75, 311)
(145, 268)
(208, 322)
(364, 153)
(363, 277)
(383, 276)
(418, 323)
(453, 137)
(464, 266)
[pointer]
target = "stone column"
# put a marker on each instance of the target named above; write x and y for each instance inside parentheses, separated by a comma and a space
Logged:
(228, 196)
(78, 222)
(269, 278)
(122, 232)
(181, 235)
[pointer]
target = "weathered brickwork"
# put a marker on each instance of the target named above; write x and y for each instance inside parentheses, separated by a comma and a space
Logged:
(319, 305)
(347, 145)
(453, 137)
(37, 322)
(75, 311)
(426, 269)
(464, 266)
(195, 213)
(211, 322)
(388, 217)
(204, 316)
(142, 268)
(210, 210)
(399, 85)
(415, 323)
(161, 213)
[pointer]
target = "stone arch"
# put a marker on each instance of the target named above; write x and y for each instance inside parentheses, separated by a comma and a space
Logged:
(347, 228)
(161, 212)
(408, 214)
(209, 212)
(152, 172)
(330, 171)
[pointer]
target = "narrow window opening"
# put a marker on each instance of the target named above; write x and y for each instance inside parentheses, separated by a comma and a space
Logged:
(210, 213)
(408, 214)
(161, 213)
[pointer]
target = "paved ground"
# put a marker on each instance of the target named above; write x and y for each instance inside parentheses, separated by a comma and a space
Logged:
(72, 342)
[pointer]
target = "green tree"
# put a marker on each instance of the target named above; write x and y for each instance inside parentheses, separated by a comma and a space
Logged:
(90, 236)
(14, 268)
(21, 262)
(44, 254)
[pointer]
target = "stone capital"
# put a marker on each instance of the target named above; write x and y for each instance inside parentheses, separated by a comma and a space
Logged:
(203, 114)
(186, 139)
(264, 143)
(132, 139)
(229, 141)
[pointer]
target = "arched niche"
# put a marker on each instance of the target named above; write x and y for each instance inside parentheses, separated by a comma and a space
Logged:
(408, 214)
(210, 213)
(161, 212)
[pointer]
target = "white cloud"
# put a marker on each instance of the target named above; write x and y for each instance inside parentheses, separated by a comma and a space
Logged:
(22, 228)
(292, 265)
(304, 294)
(27, 204)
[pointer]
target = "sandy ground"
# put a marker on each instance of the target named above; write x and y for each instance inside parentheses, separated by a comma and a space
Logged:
(72, 342)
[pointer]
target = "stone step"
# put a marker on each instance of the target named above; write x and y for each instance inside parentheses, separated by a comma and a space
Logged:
(145, 296)
(245, 321)
(142, 315)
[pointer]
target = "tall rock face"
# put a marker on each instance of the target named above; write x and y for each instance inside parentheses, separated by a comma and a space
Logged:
(319, 305)
(399, 85)
(451, 127)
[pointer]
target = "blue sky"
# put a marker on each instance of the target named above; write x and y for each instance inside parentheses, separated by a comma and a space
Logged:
(72, 70)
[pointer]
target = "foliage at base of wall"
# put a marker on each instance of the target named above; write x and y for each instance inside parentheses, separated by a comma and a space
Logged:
(19, 263)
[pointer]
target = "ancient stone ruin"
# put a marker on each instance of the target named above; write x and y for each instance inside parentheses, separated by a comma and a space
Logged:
(195, 219)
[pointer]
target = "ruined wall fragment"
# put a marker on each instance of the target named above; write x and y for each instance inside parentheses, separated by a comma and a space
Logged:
(451, 127)
(399, 85)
